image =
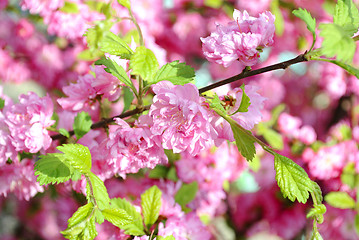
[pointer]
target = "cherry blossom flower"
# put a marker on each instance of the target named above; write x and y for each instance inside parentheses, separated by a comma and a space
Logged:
(242, 39)
(180, 119)
(106, 84)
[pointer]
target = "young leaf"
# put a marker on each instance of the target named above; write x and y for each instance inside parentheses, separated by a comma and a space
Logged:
(127, 98)
(144, 63)
(77, 156)
(292, 180)
(347, 16)
(245, 143)
(125, 3)
(158, 172)
(340, 200)
(175, 72)
(166, 238)
(317, 213)
(279, 20)
(98, 190)
(117, 217)
(51, 169)
(2, 103)
(315, 234)
(114, 45)
(151, 204)
(272, 137)
(317, 192)
(216, 103)
(245, 102)
(336, 42)
(186, 193)
(64, 132)
(99, 217)
(82, 224)
(95, 35)
(70, 7)
(82, 124)
(134, 228)
(309, 20)
(116, 70)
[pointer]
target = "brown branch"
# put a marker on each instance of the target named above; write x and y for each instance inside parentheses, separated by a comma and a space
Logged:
(283, 65)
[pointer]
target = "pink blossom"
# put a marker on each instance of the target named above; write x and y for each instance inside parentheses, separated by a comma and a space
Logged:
(288, 124)
(180, 119)
(241, 39)
(19, 179)
(81, 95)
(27, 122)
(106, 84)
(307, 134)
(40, 6)
(134, 148)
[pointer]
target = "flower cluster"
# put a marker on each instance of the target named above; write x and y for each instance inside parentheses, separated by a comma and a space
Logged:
(242, 39)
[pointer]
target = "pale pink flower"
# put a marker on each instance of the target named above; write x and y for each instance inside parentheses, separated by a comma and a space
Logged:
(19, 178)
(307, 134)
(106, 84)
(81, 95)
(242, 39)
(131, 149)
(27, 122)
(42, 7)
(288, 124)
(180, 119)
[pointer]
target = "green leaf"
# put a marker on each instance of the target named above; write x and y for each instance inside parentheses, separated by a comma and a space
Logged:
(82, 224)
(315, 234)
(117, 217)
(127, 98)
(172, 174)
(292, 180)
(95, 35)
(350, 69)
(64, 132)
(99, 191)
(70, 7)
(244, 142)
(279, 20)
(158, 172)
(51, 169)
(144, 63)
(77, 156)
(356, 224)
(114, 45)
(340, 200)
(175, 72)
(82, 124)
(186, 193)
(99, 217)
(213, 3)
(165, 238)
(134, 228)
(245, 102)
(125, 3)
(216, 103)
(317, 213)
(317, 193)
(116, 70)
(2, 103)
(337, 43)
(309, 20)
(348, 175)
(347, 16)
(151, 204)
(272, 137)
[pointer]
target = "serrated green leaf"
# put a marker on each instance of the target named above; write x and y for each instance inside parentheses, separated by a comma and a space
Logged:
(158, 172)
(98, 190)
(76, 156)
(95, 35)
(347, 16)
(186, 193)
(272, 137)
(292, 180)
(175, 72)
(70, 7)
(317, 193)
(116, 70)
(114, 45)
(125, 3)
(144, 63)
(82, 124)
(309, 20)
(317, 213)
(245, 143)
(127, 98)
(99, 217)
(117, 217)
(337, 43)
(245, 102)
(217, 104)
(340, 200)
(82, 224)
(151, 204)
(51, 169)
(279, 20)
(64, 132)
(135, 228)
(2, 103)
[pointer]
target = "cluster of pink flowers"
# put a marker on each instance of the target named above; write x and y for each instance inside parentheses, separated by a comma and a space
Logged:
(242, 39)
